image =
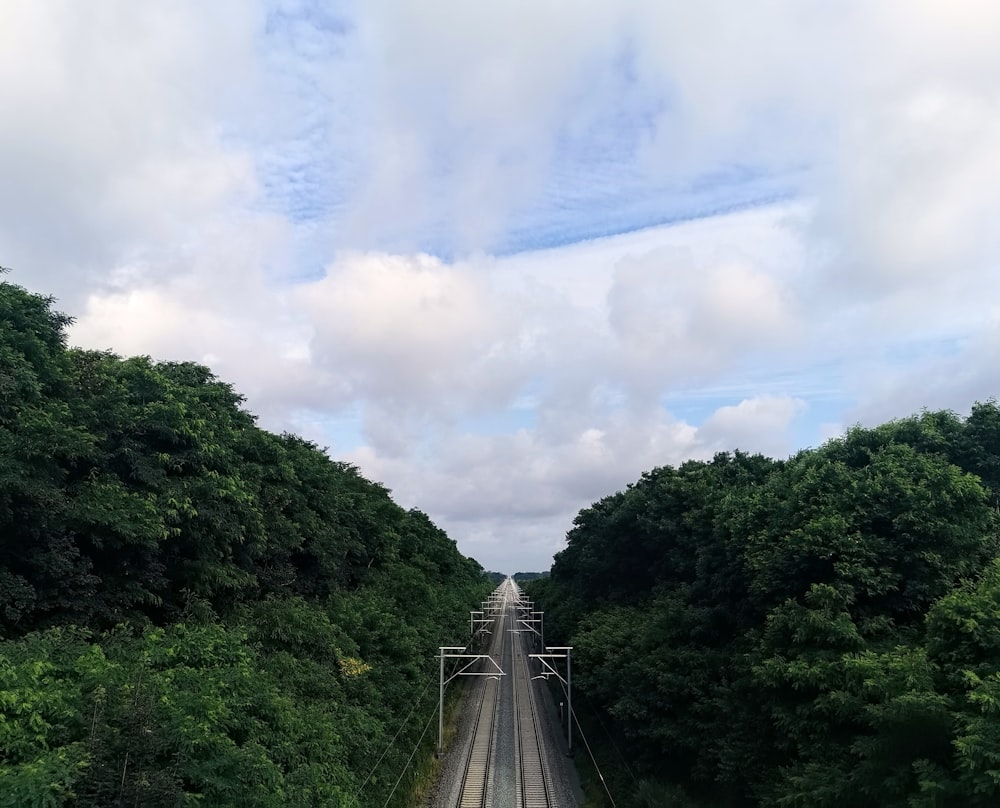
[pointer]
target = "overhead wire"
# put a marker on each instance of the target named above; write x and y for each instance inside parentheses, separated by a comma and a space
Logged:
(586, 744)
(592, 760)
(596, 713)
(409, 760)
(419, 741)
(406, 720)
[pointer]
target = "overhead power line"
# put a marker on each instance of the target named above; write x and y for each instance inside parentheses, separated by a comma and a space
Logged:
(409, 760)
(590, 753)
(416, 704)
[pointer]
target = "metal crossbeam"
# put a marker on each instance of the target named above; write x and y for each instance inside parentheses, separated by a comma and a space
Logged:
(549, 670)
(449, 652)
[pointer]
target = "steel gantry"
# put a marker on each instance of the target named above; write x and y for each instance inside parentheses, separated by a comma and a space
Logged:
(479, 623)
(530, 623)
(448, 652)
(548, 670)
(531, 619)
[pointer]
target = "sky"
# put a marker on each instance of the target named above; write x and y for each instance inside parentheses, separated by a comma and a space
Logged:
(505, 257)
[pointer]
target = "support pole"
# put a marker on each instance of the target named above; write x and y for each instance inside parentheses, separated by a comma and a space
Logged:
(441, 706)
(569, 699)
(458, 652)
(548, 670)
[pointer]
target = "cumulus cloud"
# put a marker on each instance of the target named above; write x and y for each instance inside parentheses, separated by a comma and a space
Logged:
(469, 104)
(677, 317)
(310, 201)
(406, 327)
(215, 304)
(950, 376)
(417, 358)
(514, 495)
(760, 424)
(111, 145)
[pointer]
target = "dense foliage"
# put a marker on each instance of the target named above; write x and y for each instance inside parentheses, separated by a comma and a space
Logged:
(819, 631)
(194, 610)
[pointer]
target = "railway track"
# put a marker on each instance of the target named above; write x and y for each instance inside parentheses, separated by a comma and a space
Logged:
(534, 787)
(477, 769)
(478, 766)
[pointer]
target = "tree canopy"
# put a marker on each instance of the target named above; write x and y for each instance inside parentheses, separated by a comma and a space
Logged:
(816, 631)
(194, 610)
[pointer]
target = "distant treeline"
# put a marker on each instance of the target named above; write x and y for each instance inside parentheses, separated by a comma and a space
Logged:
(818, 631)
(500, 577)
(194, 610)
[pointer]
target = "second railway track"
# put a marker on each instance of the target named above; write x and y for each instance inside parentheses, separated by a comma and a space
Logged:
(534, 784)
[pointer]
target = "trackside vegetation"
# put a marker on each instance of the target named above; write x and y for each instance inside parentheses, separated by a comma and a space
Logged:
(194, 611)
(817, 631)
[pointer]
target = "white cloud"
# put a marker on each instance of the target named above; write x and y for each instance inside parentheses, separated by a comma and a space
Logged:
(916, 189)
(111, 145)
(412, 353)
(214, 304)
(402, 326)
(949, 376)
(504, 497)
(251, 185)
(490, 490)
(469, 101)
(760, 424)
(677, 317)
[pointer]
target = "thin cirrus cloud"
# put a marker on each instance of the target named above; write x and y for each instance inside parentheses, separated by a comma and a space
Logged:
(505, 258)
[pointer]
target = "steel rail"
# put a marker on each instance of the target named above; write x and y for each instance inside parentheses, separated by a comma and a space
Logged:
(476, 779)
(534, 788)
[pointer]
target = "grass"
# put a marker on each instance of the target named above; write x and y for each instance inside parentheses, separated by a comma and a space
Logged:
(426, 767)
